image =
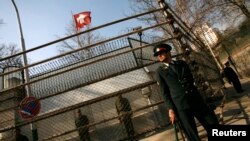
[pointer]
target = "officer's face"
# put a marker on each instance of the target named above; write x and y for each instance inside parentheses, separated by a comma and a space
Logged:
(164, 57)
(78, 114)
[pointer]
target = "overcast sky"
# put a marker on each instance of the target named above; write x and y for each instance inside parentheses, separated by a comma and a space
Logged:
(46, 20)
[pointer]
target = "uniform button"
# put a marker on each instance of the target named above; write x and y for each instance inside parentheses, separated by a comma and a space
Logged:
(182, 85)
(179, 80)
(186, 92)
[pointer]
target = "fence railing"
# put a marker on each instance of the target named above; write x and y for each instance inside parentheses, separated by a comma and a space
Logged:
(120, 65)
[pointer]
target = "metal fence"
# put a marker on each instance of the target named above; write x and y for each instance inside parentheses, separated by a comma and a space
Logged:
(92, 84)
(92, 88)
(121, 65)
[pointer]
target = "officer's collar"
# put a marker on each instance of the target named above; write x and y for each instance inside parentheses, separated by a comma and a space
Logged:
(166, 65)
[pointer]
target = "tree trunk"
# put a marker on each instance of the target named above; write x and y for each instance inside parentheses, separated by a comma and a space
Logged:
(245, 11)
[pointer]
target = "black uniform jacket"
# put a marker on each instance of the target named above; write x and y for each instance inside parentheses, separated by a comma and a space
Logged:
(177, 86)
(230, 74)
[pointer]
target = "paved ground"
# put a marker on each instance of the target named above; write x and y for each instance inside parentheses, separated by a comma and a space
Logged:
(236, 111)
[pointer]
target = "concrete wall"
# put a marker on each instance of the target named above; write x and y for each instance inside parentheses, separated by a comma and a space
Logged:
(9, 118)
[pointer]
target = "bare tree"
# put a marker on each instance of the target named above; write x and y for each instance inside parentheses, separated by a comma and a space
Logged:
(8, 50)
(212, 10)
(240, 4)
(80, 41)
(196, 14)
(140, 6)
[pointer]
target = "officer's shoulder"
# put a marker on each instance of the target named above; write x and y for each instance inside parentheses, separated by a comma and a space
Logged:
(181, 62)
(159, 68)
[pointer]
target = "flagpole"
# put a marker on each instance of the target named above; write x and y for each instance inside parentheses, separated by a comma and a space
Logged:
(26, 70)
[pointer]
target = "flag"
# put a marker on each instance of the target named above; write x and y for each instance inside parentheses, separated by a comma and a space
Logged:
(82, 19)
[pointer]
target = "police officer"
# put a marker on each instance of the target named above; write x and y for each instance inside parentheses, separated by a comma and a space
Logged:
(181, 96)
(123, 107)
(81, 122)
(232, 77)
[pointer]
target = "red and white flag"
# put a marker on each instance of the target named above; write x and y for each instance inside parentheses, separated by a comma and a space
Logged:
(82, 19)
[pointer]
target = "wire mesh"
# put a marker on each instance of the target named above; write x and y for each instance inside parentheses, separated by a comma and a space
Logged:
(93, 85)
(104, 110)
(102, 114)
